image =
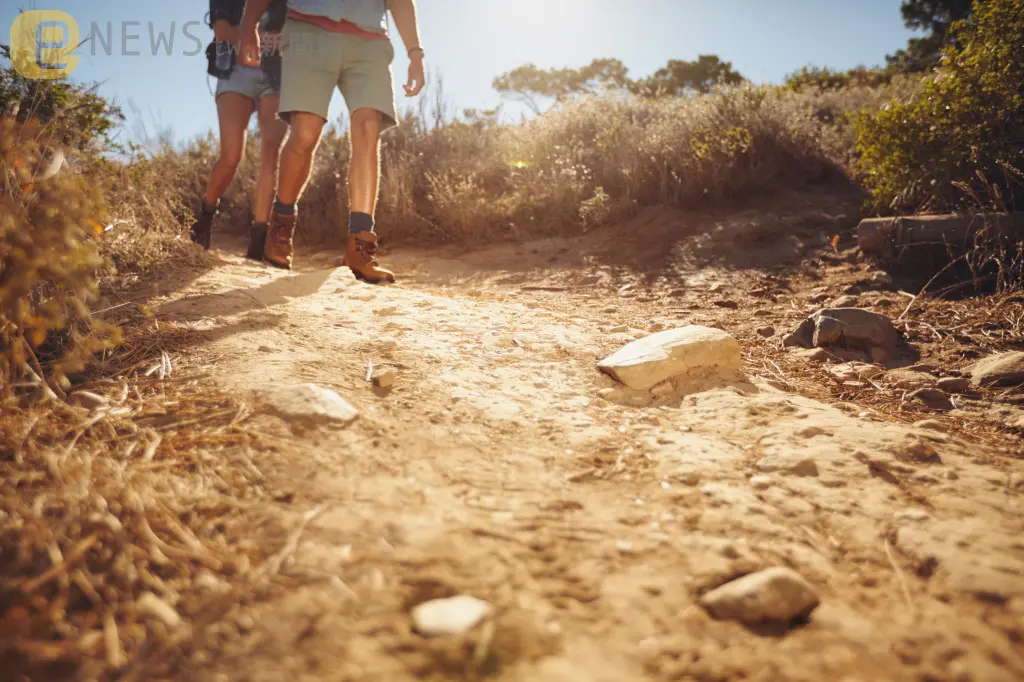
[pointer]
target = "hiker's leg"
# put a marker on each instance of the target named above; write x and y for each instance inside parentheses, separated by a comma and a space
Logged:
(233, 111)
(297, 157)
(364, 168)
(272, 133)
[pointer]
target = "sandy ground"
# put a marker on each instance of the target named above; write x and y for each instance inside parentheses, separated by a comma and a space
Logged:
(494, 468)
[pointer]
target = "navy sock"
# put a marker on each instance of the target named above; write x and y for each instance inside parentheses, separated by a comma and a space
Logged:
(360, 222)
(284, 209)
(211, 209)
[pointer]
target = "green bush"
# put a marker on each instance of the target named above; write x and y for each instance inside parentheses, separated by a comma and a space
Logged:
(960, 143)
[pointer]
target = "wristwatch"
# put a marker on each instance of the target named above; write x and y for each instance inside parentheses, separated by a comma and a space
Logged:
(415, 50)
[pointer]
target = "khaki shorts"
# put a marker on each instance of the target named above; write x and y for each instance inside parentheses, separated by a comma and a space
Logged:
(316, 60)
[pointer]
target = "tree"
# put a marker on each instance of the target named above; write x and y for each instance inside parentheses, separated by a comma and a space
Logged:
(528, 83)
(679, 78)
(959, 143)
(934, 17)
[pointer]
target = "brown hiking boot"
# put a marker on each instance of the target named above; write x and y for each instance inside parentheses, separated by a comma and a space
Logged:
(280, 244)
(361, 258)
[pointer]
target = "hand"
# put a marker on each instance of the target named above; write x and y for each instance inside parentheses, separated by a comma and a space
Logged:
(249, 50)
(417, 78)
(223, 32)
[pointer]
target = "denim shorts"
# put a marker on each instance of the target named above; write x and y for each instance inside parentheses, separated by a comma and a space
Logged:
(250, 81)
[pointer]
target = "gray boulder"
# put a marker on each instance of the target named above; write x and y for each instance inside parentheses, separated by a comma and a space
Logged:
(846, 328)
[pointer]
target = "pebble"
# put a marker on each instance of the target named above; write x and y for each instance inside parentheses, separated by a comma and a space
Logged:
(767, 331)
(384, 379)
(449, 617)
(309, 401)
(800, 466)
(620, 329)
(930, 425)
(387, 343)
(760, 482)
(776, 595)
(844, 302)
(955, 384)
(931, 397)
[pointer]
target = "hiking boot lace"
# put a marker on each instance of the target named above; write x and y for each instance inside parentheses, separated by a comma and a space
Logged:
(368, 250)
(283, 233)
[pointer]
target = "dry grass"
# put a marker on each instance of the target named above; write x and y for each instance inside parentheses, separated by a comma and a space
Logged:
(127, 522)
(474, 181)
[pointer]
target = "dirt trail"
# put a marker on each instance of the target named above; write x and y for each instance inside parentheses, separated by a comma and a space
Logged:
(493, 468)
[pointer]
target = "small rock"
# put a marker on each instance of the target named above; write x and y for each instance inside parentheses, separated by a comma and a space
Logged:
(266, 349)
(844, 302)
(799, 466)
(387, 343)
(853, 327)
(1005, 369)
(449, 617)
(908, 379)
(911, 515)
(931, 425)
(813, 354)
(776, 595)
(820, 297)
(645, 363)
(383, 378)
(88, 400)
(767, 331)
(855, 371)
(955, 384)
(309, 401)
(931, 397)
(731, 305)
(717, 286)
(760, 482)
(620, 329)
(883, 278)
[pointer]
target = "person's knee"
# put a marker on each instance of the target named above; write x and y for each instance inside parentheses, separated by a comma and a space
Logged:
(304, 135)
(230, 158)
(366, 125)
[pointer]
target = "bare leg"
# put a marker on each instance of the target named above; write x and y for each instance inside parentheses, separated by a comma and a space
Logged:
(234, 112)
(364, 170)
(297, 157)
(272, 132)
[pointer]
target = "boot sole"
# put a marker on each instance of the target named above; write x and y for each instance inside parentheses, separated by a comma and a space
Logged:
(363, 278)
(279, 266)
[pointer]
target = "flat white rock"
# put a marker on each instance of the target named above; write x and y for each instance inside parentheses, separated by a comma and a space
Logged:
(649, 361)
(448, 617)
(309, 401)
(775, 595)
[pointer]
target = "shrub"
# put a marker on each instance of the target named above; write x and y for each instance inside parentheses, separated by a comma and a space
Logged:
(961, 141)
(48, 266)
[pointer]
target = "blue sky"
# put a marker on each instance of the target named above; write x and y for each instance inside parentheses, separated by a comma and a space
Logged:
(469, 42)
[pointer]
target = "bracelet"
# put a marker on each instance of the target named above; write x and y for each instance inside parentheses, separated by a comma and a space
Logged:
(417, 49)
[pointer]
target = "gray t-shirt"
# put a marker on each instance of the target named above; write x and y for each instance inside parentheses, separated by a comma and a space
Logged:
(368, 14)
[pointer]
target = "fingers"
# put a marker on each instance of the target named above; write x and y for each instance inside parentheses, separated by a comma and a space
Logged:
(250, 54)
(415, 84)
